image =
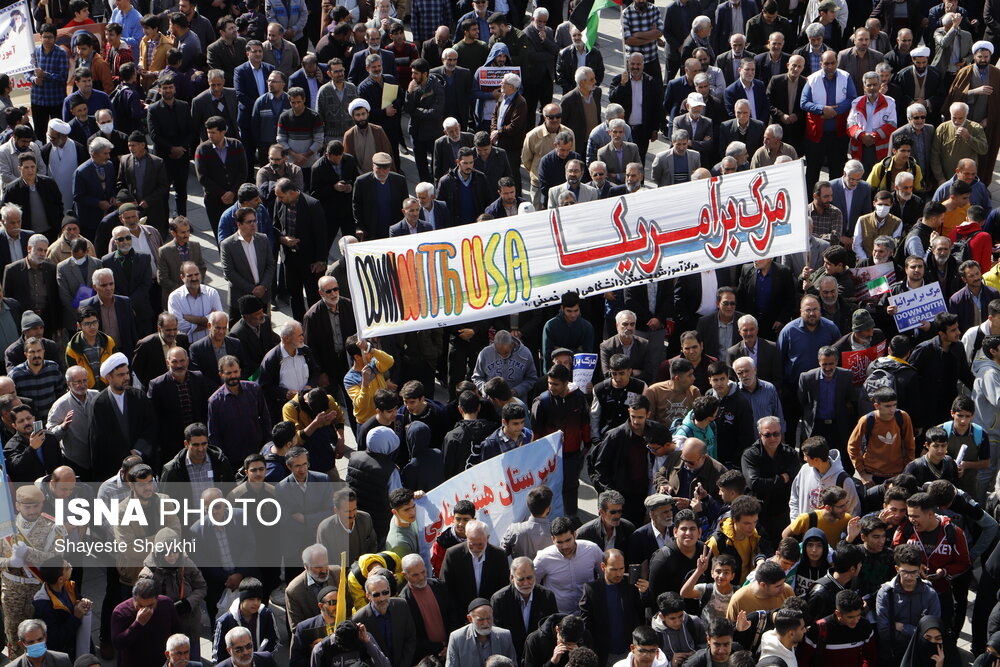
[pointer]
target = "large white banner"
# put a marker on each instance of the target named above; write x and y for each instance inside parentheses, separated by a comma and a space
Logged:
(481, 270)
(17, 41)
(498, 487)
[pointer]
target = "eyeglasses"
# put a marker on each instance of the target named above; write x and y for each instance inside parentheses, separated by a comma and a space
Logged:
(330, 603)
(613, 512)
(246, 648)
(727, 303)
(554, 116)
(771, 434)
(331, 290)
(122, 239)
(647, 651)
(918, 117)
(378, 594)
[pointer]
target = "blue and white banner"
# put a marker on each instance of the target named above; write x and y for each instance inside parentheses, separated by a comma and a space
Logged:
(498, 488)
(917, 306)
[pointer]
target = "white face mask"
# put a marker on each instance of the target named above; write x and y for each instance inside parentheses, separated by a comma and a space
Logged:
(881, 210)
(81, 261)
(106, 128)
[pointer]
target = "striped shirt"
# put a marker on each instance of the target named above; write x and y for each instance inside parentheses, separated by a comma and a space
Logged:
(43, 389)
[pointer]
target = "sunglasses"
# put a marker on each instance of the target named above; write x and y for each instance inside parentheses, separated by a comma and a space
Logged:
(379, 594)
(331, 290)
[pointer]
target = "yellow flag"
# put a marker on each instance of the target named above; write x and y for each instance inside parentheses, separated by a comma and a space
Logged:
(342, 589)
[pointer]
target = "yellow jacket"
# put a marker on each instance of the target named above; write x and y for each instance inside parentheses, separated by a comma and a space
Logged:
(362, 397)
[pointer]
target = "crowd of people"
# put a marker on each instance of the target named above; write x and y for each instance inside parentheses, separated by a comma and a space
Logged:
(762, 500)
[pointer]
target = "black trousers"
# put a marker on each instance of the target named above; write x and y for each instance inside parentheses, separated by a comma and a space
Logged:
(537, 94)
(422, 150)
(40, 117)
(831, 432)
(177, 173)
(214, 208)
(652, 68)
(298, 277)
(462, 356)
(830, 150)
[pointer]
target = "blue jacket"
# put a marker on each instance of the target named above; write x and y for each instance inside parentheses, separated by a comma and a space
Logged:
(261, 630)
(497, 444)
(358, 72)
(88, 190)
(980, 195)
(735, 91)
(246, 89)
(722, 25)
(906, 608)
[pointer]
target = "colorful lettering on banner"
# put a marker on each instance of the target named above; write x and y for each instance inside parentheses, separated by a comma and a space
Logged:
(498, 488)
(857, 361)
(462, 274)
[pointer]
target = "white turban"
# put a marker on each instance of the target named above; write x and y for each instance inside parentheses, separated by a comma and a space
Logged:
(983, 44)
(356, 103)
(920, 52)
(59, 125)
(111, 363)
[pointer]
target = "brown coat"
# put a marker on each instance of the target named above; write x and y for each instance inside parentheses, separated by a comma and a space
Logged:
(102, 73)
(959, 93)
(512, 127)
(382, 144)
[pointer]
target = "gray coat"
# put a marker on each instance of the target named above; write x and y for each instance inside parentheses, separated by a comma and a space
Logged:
(236, 268)
(333, 110)
(663, 166)
(462, 650)
(70, 278)
(608, 155)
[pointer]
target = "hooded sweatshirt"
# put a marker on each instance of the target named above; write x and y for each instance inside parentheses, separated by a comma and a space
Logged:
(805, 574)
(972, 341)
(981, 245)
(484, 98)
(426, 467)
(518, 369)
(770, 645)
(688, 639)
(261, 626)
(986, 394)
(808, 487)
(688, 429)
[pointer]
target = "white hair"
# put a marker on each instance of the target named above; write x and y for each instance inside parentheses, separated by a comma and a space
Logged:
(512, 79)
(376, 578)
(313, 550)
(502, 338)
(235, 634)
(477, 527)
(914, 109)
(776, 130)
(735, 148)
(180, 639)
(747, 360)
(617, 123)
(853, 167)
(540, 12)
(782, 159)
(598, 163)
(74, 370)
(424, 188)
(581, 74)
(735, 35)
(30, 625)
(764, 421)
(747, 319)
(815, 30)
(287, 328)
(98, 144)
(409, 560)
(450, 121)
(101, 273)
(7, 209)
(519, 561)
(614, 110)
(699, 22)
(741, 103)
(35, 239)
(216, 315)
(447, 53)
(622, 314)
(902, 177)
(958, 106)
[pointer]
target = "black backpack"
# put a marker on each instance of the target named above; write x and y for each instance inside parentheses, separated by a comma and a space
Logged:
(877, 379)
(962, 250)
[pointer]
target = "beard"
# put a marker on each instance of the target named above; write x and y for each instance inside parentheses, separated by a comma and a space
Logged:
(361, 124)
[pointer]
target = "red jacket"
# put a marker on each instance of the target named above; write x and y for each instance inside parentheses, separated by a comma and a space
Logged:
(981, 245)
(948, 549)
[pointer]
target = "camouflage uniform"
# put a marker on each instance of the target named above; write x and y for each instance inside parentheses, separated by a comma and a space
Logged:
(19, 583)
